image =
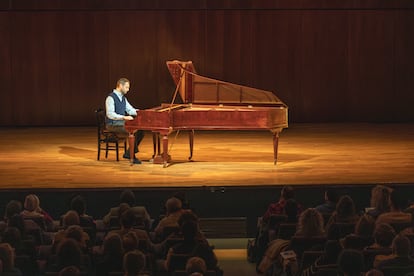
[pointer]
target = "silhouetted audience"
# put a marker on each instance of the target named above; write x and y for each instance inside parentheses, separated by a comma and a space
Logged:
(400, 257)
(195, 266)
(78, 204)
(344, 213)
(380, 201)
(128, 197)
(351, 262)
(134, 263)
(174, 212)
(395, 215)
(111, 257)
(278, 208)
(7, 260)
(329, 206)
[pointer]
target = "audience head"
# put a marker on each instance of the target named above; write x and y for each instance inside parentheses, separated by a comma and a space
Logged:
(189, 230)
(14, 207)
(6, 256)
(128, 197)
(380, 196)
(345, 207)
(401, 246)
(32, 203)
(112, 245)
(70, 271)
(196, 265)
(365, 226)
(69, 253)
(134, 263)
(310, 223)
(130, 241)
(351, 262)
(78, 204)
(384, 234)
(287, 192)
(331, 195)
(374, 272)
(71, 218)
(173, 205)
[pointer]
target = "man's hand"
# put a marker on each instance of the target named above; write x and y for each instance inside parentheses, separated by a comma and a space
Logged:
(128, 118)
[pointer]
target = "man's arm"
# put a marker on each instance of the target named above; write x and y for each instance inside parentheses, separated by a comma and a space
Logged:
(130, 109)
(110, 110)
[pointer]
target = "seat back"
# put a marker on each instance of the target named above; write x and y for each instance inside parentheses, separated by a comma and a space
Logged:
(100, 122)
(339, 230)
(370, 253)
(178, 261)
(397, 270)
(286, 231)
(301, 244)
(328, 270)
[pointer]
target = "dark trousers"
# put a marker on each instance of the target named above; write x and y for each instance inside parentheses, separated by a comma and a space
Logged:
(122, 132)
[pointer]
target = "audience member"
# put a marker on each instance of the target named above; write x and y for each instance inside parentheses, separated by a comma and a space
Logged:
(68, 254)
(400, 257)
(310, 224)
(380, 202)
(134, 263)
(395, 215)
(128, 197)
(111, 258)
(72, 229)
(128, 220)
(70, 271)
(331, 198)
(190, 245)
(351, 262)
(7, 260)
(78, 204)
(13, 207)
(344, 213)
(195, 266)
(383, 236)
(363, 235)
(174, 211)
(329, 257)
(32, 209)
(278, 208)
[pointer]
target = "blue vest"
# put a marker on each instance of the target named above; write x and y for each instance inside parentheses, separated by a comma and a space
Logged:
(120, 108)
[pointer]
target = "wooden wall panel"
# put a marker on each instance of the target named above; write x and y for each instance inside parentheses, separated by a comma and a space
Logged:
(403, 97)
(327, 65)
(323, 75)
(371, 66)
(277, 57)
(84, 74)
(132, 51)
(7, 108)
(181, 36)
(35, 68)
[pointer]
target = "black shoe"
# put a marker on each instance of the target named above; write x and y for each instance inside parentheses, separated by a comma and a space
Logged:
(136, 161)
(126, 156)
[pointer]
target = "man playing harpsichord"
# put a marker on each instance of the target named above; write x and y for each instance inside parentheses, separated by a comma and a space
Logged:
(119, 110)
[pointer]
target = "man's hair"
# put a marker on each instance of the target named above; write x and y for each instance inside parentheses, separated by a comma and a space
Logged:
(128, 196)
(401, 246)
(71, 218)
(287, 192)
(384, 234)
(196, 264)
(70, 271)
(134, 262)
(13, 207)
(351, 262)
(173, 204)
(78, 204)
(122, 81)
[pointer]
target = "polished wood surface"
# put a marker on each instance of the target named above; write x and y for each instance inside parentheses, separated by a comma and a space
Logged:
(308, 154)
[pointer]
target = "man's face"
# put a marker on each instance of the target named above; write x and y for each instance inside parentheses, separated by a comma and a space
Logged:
(124, 88)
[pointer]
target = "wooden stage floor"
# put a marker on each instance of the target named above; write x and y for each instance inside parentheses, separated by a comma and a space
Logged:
(65, 157)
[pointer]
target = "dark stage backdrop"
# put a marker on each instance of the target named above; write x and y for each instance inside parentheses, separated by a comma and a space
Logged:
(329, 61)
